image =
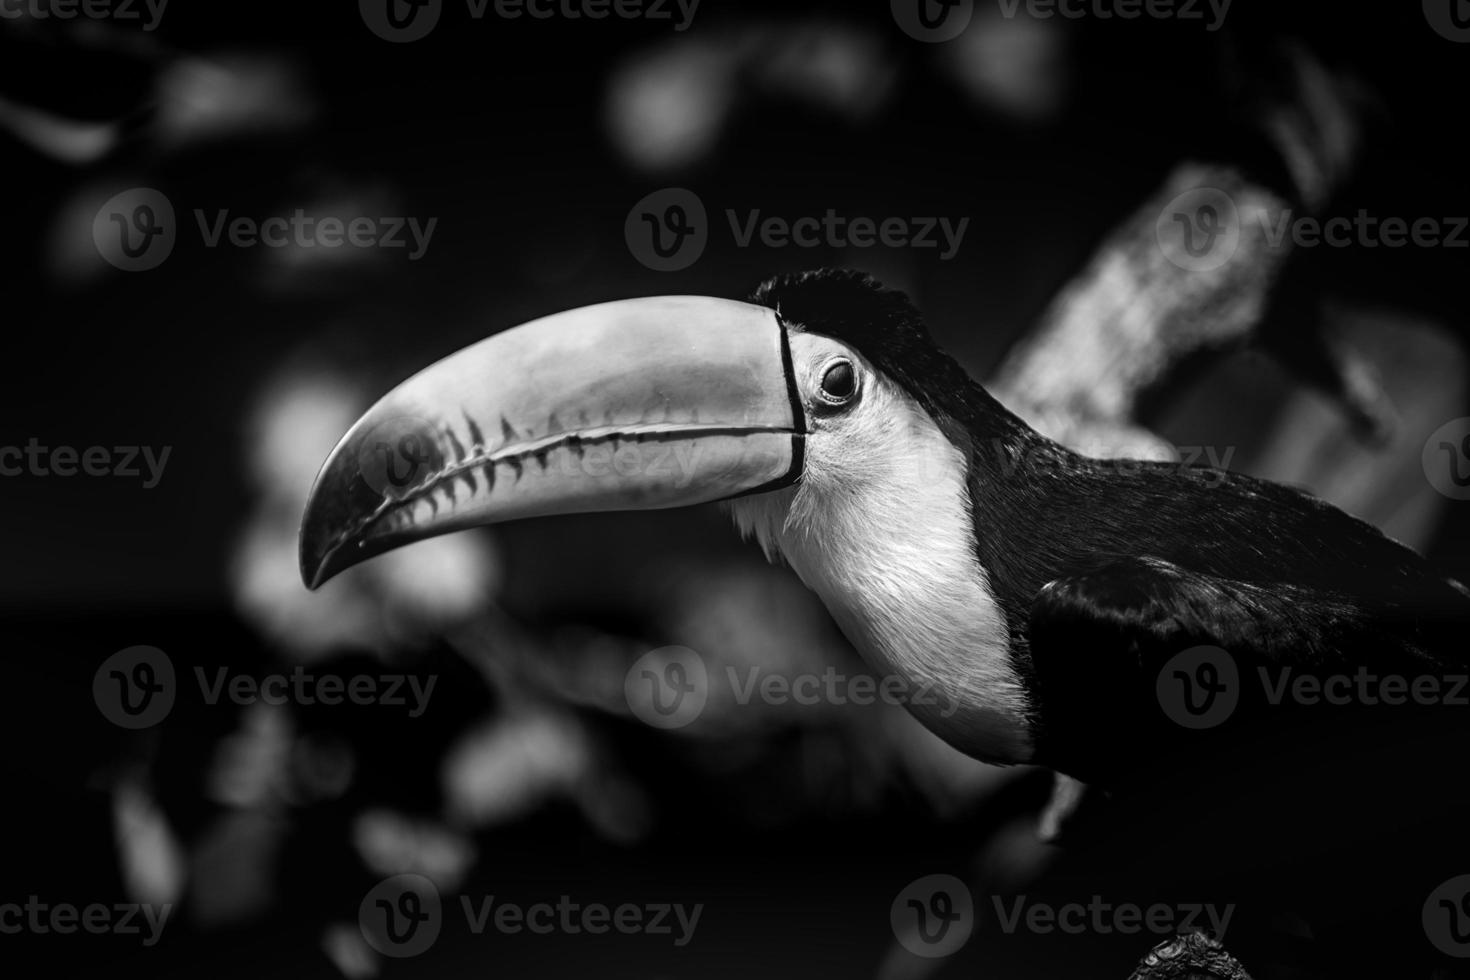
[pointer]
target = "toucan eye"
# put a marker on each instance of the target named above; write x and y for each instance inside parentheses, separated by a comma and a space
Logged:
(839, 382)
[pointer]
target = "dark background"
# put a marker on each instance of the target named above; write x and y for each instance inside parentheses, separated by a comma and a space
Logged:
(502, 129)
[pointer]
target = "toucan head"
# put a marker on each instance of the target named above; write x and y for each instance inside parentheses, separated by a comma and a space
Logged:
(823, 392)
(839, 435)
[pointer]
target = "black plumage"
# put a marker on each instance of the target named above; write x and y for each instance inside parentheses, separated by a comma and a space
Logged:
(1105, 570)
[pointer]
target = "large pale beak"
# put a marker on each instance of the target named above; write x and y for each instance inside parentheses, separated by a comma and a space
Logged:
(632, 405)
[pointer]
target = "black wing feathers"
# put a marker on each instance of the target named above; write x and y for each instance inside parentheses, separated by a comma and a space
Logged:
(1099, 641)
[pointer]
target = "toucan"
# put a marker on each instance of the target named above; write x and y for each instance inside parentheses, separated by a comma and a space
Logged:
(1037, 589)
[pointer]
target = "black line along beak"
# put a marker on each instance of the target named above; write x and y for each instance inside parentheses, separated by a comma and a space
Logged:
(633, 405)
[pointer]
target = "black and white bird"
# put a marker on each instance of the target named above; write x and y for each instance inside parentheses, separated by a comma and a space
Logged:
(1039, 590)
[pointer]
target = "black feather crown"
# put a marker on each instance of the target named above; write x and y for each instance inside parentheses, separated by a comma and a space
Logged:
(886, 328)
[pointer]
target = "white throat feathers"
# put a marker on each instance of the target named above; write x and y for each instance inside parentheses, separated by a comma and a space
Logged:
(880, 528)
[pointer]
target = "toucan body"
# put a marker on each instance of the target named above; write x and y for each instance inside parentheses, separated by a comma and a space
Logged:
(1039, 590)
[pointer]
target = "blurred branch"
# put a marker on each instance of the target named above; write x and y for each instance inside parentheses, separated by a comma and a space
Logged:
(1149, 297)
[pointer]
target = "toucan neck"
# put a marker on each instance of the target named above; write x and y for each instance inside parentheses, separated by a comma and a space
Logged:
(894, 559)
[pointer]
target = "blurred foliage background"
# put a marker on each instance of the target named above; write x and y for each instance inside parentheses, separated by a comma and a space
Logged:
(529, 141)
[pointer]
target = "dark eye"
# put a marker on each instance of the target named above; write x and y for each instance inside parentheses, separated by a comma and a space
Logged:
(839, 381)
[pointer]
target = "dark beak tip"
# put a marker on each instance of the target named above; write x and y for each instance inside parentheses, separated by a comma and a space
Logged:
(336, 498)
(318, 565)
(310, 560)
(311, 576)
(325, 546)
(320, 525)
